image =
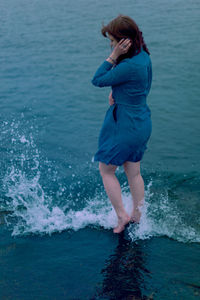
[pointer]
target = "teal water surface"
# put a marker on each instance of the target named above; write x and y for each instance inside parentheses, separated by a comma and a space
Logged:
(55, 219)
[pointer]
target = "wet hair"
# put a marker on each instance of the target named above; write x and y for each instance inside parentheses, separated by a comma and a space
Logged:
(125, 27)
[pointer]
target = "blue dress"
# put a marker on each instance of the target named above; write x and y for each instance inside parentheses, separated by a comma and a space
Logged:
(127, 125)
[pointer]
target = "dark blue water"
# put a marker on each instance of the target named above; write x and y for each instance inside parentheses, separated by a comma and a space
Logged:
(55, 219)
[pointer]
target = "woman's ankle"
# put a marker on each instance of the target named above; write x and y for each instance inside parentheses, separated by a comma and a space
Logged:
(123, 216)
(136, 214)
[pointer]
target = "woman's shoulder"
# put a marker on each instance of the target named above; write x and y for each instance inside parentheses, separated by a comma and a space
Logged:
(141, 59)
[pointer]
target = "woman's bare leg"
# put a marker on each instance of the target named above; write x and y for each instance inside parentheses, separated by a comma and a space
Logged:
(113, 190)
(136, 184)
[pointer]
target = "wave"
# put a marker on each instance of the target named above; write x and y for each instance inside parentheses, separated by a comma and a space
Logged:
(33, 212)
(30, 208)
(163, 217)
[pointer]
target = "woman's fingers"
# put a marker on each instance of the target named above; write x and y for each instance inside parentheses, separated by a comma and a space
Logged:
(125, 42)
(121, 41)
(111, 100)
(124, 45)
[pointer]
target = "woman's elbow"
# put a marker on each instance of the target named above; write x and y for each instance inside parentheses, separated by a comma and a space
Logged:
(97, 82)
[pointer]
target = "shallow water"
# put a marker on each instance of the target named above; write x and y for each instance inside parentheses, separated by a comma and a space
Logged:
(95, 264)
(52, 202)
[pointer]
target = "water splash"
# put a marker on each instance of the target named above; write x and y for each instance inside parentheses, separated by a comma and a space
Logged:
(34, 213)
(163, 217)
(33, 209)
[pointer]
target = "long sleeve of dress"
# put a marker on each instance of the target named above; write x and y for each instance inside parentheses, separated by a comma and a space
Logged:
(108, 76)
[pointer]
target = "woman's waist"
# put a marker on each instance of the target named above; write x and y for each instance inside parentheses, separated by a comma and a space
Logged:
(141, 107)
(126, 112)
(134, 101)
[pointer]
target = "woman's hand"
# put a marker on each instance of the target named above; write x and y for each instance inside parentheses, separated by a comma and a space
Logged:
(121, 48)
(111, 100)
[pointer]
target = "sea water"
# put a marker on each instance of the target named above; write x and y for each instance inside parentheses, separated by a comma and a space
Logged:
(55, 218)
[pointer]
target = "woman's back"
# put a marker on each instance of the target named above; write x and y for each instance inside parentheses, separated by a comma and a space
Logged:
(134, 90)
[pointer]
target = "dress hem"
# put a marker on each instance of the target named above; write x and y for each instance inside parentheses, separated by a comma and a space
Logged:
(115, 164)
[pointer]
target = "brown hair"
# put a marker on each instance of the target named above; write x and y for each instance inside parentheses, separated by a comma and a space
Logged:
(125, 27)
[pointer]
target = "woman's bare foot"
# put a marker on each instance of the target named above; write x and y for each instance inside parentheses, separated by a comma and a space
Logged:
(122, 222)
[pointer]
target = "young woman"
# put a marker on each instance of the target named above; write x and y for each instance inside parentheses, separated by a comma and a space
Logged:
(127, 125)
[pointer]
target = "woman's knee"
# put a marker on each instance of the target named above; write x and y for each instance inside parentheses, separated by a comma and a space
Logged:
(132, 169)
(106, 169)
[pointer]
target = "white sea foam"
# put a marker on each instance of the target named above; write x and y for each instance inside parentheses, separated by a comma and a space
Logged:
(34, 211)
(162, 218)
